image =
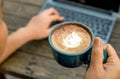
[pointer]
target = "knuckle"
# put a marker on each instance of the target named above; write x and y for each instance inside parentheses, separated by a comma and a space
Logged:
(108, 45)
(96, 50)
(94, 53)
(52, 9)
(112, 60)
(95, 66)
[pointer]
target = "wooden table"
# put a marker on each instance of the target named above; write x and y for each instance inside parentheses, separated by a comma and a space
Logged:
(34, 59)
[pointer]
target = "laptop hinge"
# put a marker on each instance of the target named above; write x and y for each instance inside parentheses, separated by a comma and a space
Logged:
(86, 7)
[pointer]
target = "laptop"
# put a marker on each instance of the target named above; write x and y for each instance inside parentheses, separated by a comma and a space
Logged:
(99, 15)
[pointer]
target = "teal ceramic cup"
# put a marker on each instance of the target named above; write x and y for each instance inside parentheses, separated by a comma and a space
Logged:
(74, 59)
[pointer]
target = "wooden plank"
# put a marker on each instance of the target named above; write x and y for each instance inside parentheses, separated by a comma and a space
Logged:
(116, 29)
(19, 9)
(115, 38)
(119, 15)
(115, 42)
(13, 22)
(29, 2)
(40, 67)
(39, 48)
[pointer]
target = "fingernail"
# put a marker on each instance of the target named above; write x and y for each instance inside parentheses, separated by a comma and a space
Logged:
(109, 46)
(62, 17)
(96, 42)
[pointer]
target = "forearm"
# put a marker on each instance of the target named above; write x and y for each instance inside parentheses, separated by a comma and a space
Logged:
(15, 41)
(37, 28)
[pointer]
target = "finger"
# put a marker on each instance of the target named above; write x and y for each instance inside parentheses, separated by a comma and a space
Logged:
(111, 51)
(97, 53)
(51, 11)
(104, 47)
(56, 18)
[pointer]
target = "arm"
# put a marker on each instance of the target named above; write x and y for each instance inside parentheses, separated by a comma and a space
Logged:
(14, 41)
(36, 29)
(98, 70)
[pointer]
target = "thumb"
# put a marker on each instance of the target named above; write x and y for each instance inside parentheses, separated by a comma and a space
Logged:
(97, 54)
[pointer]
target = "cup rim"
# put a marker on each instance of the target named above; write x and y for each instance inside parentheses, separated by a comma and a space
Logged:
(68, 53)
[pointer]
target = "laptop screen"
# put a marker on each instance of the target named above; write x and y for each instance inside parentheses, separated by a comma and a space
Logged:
(111, 5)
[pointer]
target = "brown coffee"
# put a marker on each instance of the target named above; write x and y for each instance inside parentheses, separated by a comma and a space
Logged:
(71, 38)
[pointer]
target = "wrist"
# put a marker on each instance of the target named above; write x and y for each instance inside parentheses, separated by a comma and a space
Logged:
(26, 34)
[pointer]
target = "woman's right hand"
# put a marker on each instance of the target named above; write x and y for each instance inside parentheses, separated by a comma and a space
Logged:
(98, 70)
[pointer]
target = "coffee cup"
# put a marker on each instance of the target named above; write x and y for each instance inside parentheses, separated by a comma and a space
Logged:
(71, 43)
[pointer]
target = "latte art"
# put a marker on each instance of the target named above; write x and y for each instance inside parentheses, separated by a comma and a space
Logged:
(71, 38)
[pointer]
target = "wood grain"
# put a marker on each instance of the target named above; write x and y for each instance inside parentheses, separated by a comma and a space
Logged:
(40, 67)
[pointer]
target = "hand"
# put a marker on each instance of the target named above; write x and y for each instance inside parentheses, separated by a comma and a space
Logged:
(98, 70)
(38, 26)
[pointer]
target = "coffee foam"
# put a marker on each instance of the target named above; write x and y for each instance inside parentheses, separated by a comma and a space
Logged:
(71, 38)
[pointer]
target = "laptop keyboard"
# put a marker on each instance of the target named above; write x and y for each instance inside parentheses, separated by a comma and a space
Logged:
(99, 26)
